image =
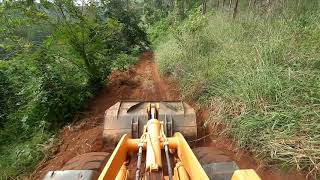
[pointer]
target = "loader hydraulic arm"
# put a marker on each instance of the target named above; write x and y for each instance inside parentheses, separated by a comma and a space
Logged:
(154, 141)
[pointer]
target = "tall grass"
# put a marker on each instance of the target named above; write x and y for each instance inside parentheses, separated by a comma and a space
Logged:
(263, 73)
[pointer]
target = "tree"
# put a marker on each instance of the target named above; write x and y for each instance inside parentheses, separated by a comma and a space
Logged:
(133, 32)
(230, 3)
(23, 28)
(235, 10)
(223, 3)
(204, 6)
(98, 33)
(180, 9)
(251, 3)
(76, 26)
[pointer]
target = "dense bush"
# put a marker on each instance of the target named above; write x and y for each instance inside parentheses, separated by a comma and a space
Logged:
(45, 80)
(260, 76)
(40, 92)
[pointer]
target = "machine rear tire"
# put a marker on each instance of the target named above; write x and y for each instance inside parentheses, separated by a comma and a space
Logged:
(89, 161)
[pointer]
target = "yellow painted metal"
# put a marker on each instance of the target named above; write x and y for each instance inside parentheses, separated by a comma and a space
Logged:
(245, 174)
(188, 159)
(116, 160)
(187, 166)
(180, 172)
(132, 144)
(123, 173)
(190, 163)
(153, 160)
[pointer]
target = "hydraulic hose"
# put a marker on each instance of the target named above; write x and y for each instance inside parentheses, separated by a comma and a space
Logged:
(166, 149)
(139, 163)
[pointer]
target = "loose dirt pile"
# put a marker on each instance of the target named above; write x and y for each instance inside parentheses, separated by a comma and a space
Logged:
(141, 82)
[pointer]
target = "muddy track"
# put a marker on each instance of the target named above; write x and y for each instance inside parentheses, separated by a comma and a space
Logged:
(141, 82)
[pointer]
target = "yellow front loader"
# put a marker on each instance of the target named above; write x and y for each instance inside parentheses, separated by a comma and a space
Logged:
(150, 145)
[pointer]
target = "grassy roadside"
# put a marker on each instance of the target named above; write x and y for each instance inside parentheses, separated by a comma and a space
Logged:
(261, 76)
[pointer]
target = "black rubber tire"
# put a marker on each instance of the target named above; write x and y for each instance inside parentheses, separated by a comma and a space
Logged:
(89, 161)
(207, 155)
(215, 163)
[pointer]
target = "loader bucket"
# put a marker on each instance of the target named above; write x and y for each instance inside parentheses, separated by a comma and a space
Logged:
(129, 117)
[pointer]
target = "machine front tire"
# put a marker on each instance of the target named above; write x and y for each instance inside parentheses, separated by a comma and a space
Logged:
(89, 161)
(207, 155)
(215, 163)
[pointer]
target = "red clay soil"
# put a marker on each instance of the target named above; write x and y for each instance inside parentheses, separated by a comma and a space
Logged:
(140, 82)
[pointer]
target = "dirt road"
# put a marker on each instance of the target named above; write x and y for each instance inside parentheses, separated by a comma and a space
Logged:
(141, 82)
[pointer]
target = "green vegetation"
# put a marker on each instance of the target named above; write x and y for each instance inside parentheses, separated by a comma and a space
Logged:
(53, 58)
(259, 74)
(254, 63)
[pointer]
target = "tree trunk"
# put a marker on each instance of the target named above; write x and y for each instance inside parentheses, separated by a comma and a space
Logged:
(128, 6)
(269, 7)
(254, 2)
(187, 4)
(204, 6)
(158, 4)
(230, 3)
(235, 10)
(180, 9)
(171, 4)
